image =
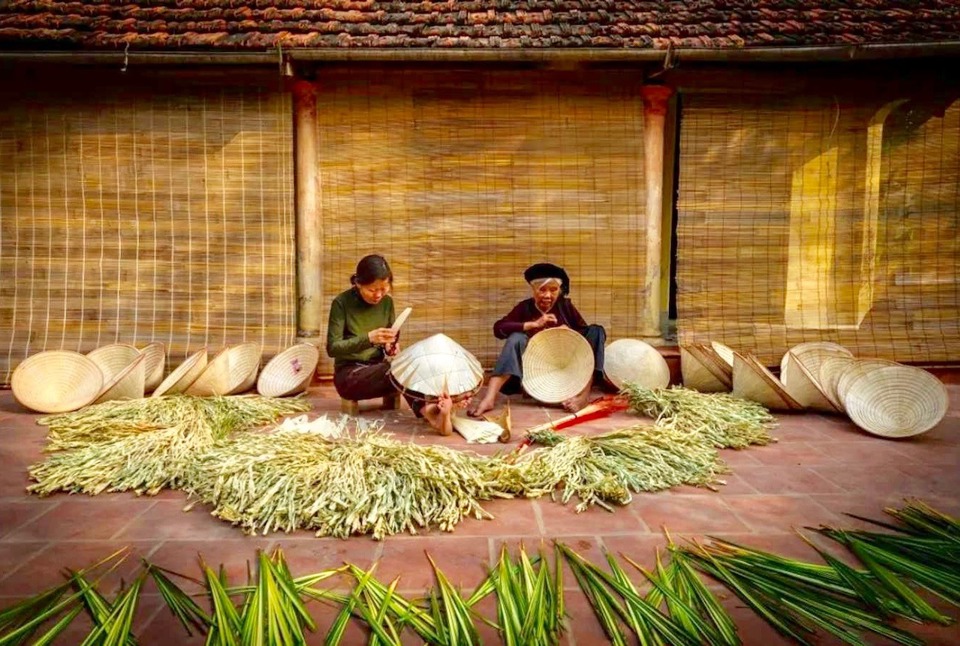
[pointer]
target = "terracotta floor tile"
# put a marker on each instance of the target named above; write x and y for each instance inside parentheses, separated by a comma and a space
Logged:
(465, 560)
(84, 517)
(793, 454)
(688, 514)
(736, 458)
(734, 485)
(183, 557)
(866, 479)
(165, 519)
(786, 479)
(779, 513)
(14, 555)
(310, 555)
(14, 513)
(44, 569)
(561, 520)
(516, 517)
(585, 628)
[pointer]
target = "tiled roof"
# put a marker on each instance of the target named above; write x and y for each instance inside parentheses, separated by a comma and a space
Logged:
(495, 24)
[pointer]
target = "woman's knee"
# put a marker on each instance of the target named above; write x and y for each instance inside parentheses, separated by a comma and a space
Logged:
(517, 340)
(595, 333)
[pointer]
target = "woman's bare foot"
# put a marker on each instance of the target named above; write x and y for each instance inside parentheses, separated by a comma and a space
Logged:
(440, 415)
(489, 400)
(579, 400)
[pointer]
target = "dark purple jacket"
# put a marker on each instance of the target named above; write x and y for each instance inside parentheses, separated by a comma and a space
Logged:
(527, 310)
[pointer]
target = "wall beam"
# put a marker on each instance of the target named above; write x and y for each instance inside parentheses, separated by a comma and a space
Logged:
(655, 99)
(309, 242)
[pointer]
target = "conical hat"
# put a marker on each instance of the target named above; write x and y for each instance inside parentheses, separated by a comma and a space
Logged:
(696, 375)
(857, 370)
(752, 381)
(126, 384)
(713, 362)
(435, 365)
(56, 381)
(215, 377)
(634, 361)
(896, 401)
(244, 366)
(289, 372)
(831, 369)
(804, 387)
(156, 354)
(557, 365)
(184, 375)
(113, 358)
(724, 352)
(800, 350)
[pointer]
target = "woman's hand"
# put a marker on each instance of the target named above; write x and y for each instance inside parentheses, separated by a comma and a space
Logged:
(540, 323)
(391, 349)
(382, 336)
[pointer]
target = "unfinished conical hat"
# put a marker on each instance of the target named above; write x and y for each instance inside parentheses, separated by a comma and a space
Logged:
(154, 365)
(752, 381)
(113, 358)
(696, 375)
(827, 348)
(289, 372)
(713, 362)
(636, 362)
(244, 366)
(56, 381)
(557, 364)
(804, 387)
(831, 369)
(436, 365)
(857, 370)
(215, 377)
(184, 375)
(126, 384)
(896, 401)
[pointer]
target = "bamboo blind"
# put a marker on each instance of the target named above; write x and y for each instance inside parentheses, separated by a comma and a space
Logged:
(820, 218)
(463, 179)
(138, 214)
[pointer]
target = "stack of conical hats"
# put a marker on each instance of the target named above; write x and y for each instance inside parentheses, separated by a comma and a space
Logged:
(882, 397)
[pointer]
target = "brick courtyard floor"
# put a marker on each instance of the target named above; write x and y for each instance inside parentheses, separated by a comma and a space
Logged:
(821, 467)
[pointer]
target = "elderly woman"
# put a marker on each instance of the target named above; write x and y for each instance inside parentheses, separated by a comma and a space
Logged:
(548, 307)
(360, 338)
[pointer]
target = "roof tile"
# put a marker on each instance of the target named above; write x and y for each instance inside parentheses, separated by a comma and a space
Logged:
(499, 24)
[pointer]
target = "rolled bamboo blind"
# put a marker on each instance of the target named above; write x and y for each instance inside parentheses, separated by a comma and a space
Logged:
(464, 178)
(804, 218)
(139, 213)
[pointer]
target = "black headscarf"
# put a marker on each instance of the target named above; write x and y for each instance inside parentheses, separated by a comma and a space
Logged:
(548, 270)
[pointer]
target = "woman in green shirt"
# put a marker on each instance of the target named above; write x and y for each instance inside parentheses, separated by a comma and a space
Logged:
(359, 339)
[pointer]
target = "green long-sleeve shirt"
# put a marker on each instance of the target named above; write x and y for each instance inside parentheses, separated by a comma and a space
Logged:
(351, 319)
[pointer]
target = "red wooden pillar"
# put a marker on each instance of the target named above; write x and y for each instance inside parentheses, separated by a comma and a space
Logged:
(655, 98)
(309, 241)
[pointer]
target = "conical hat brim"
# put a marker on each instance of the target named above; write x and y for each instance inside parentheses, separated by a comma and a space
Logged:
(696, 376)
(636, 362)
(857, 370)
(724, 352)
(56, 381)
(831, 370)
(215, 378)
(244, 367)
(126, 384)
(710, 360)
(897, 401)
(801, 348)
(436, 365)
(183, 375)
(557, 365)
(113, 358)
(804, 388)
(752, 381)
(156, 354)
(289, 372)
